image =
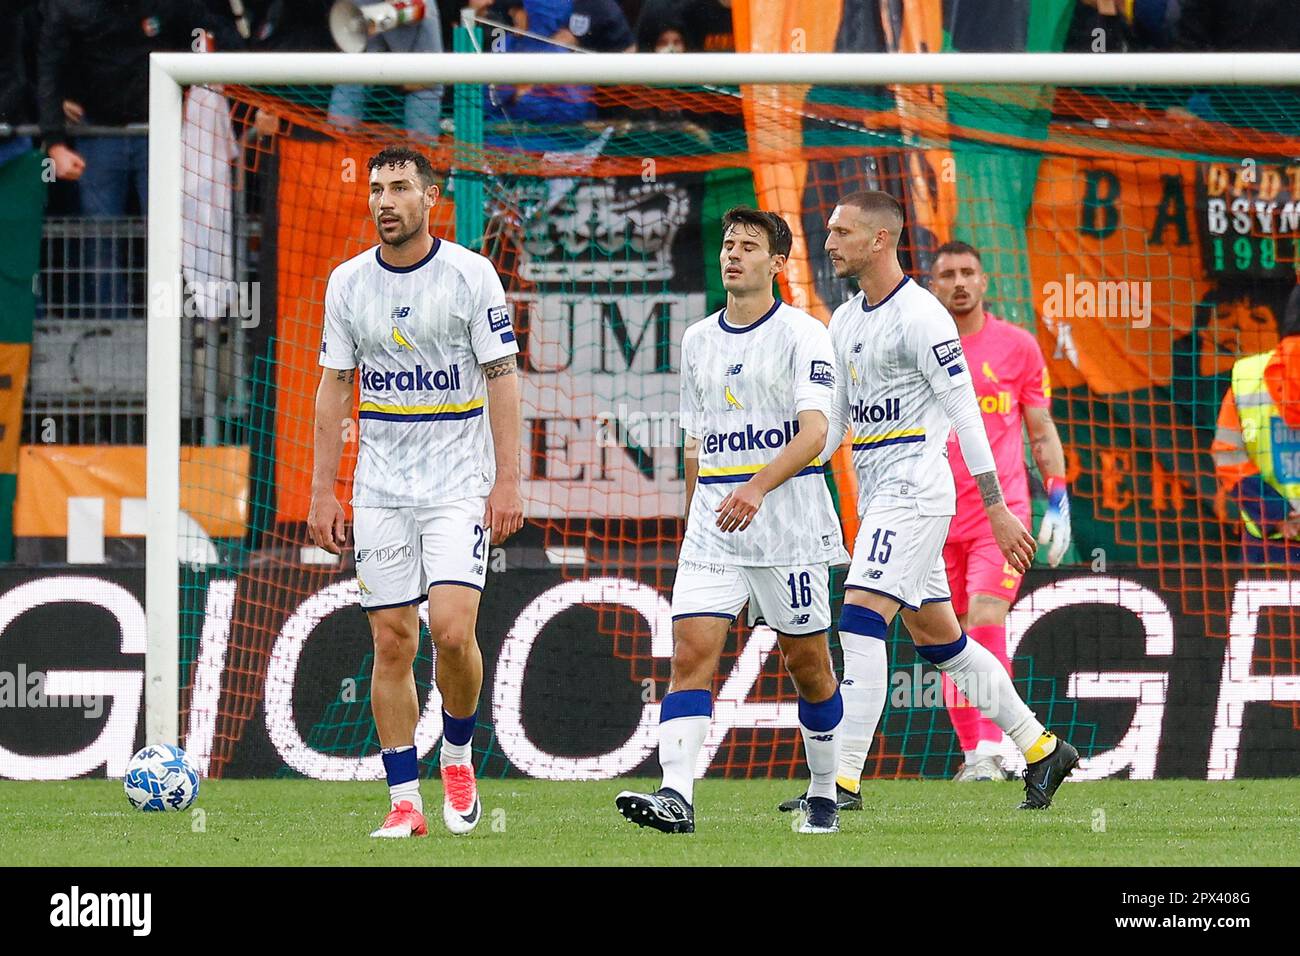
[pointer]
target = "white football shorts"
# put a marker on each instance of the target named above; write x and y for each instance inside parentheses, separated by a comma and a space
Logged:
(402, 552)
(899, 553)
(794, 600)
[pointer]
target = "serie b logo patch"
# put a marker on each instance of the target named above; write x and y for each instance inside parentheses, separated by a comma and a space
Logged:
(822, 373)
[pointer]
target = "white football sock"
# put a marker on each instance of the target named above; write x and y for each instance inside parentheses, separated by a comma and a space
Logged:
(680, 740)
(864, 689)
(454, 754)
(823, 756)
(407, 791)
(985, 683)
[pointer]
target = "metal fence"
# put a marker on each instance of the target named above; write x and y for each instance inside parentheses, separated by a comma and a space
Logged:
(87, 381)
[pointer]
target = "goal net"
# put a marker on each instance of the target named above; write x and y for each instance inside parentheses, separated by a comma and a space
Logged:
(1145, 234)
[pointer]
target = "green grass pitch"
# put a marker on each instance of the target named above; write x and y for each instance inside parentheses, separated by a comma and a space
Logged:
(529, 822)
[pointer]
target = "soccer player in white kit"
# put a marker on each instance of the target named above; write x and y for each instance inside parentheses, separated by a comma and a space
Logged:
(757, 388)
(437, 477)
(902, 382)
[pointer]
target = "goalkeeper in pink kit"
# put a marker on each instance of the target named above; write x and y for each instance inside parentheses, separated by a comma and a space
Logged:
(1011, 384)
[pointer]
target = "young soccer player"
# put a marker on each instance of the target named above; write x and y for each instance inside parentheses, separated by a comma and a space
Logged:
(425, 320)
(757, 386)
(903, 383)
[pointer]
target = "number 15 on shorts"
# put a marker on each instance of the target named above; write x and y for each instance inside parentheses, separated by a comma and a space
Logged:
(881, 546)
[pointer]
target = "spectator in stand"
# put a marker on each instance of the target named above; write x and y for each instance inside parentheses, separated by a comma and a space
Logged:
(17, 68)
(93, 68)
(271, 26)
(598, 26)
(275, 26)
(543, 19)
(706, 25)
(421, 105)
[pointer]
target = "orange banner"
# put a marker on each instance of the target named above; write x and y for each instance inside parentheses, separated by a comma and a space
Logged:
(1116, 268)
(214, 487)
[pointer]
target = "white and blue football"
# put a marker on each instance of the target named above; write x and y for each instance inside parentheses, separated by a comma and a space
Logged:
(161, 777)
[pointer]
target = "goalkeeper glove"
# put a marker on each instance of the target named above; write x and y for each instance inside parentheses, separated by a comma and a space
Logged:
(1055, 529)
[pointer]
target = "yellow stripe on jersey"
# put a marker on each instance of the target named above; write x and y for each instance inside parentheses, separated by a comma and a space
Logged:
(420, 412)
(737, 472)
(900, 436)
(745, 469)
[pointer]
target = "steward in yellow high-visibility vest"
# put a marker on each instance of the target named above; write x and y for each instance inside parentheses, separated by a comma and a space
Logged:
(1256, 447)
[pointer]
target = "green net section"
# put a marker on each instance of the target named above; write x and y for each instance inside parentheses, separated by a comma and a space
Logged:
(1176, 210)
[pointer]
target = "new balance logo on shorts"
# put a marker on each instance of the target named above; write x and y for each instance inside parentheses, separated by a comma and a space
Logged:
(799, 621)
(824, 738)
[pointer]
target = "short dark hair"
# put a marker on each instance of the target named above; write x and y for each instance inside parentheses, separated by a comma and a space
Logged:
(777, 230)
(955, 247)
(875, 202)
(400, 156)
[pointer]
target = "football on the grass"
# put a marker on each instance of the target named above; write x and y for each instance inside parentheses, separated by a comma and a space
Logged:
(161, 777)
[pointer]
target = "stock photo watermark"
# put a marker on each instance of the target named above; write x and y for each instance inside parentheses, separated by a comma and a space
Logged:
(22, 689)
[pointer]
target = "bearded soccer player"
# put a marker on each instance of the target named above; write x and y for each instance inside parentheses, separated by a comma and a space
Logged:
(761, 530)
(1011, 384)
(437, 477)
(902, 384)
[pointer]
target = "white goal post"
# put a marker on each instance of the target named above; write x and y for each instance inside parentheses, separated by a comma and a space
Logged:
(170, 72)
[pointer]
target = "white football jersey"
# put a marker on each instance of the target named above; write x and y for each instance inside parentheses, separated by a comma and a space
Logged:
(894, 362)
(742, 390)
(418, 335)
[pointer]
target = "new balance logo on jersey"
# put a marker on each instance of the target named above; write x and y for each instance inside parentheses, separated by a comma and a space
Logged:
(734, 369)
(857, 348)
(822, 374)
(419, 380)
(401, 312)
(750, 438)
(888, 411)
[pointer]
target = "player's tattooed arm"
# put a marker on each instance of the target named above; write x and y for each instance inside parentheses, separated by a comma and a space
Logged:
(502, 366)
(1045, 442)
(504, 509)
(1014, 541)
(990, 488)
(346, 375)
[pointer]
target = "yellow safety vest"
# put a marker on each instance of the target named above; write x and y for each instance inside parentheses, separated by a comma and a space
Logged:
(1272, 445)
